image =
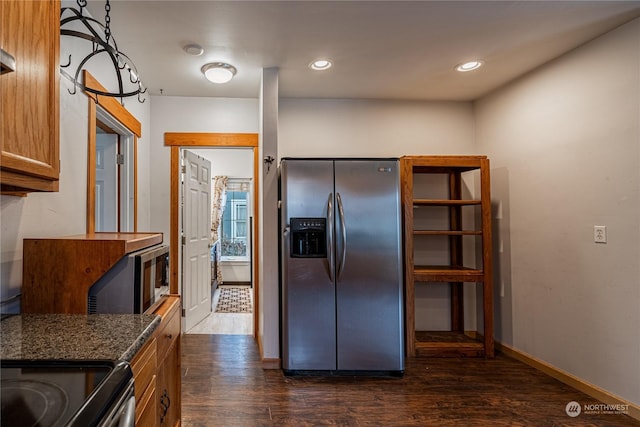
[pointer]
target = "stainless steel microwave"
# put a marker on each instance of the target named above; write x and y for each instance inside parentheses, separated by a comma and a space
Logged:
(134, 284)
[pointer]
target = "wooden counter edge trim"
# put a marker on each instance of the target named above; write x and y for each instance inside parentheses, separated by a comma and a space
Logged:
(142, 242)
(168, 302)
(567, 378)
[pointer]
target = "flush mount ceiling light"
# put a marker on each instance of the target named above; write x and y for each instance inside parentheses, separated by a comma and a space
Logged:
(469, 66)
(320, 64)
(219, 72)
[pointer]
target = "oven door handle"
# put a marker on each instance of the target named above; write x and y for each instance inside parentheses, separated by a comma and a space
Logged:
(128, 418)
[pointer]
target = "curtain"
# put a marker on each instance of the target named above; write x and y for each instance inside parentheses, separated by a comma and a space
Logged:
(219, 200)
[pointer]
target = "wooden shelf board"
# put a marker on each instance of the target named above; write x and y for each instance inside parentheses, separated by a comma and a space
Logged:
(443, 169)
(449, 162)
(446, 273)
(447, 344)
(445, 202)
(444, 336)
(448, 350)
(447, 232)
(130, 242)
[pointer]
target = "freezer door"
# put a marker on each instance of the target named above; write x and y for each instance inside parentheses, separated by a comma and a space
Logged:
(369, 287)
(308, 291)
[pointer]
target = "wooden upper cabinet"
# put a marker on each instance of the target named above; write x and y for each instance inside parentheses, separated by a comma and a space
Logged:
(29, 96)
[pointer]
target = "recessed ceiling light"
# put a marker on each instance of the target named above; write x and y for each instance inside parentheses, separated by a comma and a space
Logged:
(193, 49)
(219, 72)
(469, 66)
(320, 64)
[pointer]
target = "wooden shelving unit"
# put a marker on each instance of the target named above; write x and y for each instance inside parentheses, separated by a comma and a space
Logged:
(456, 342)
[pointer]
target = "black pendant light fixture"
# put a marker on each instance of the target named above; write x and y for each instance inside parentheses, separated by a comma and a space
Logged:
(74, 23)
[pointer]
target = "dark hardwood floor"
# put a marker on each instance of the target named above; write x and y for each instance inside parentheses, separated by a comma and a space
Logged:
(223, 384)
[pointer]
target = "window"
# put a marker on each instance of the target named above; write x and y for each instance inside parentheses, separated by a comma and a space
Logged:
(234, 235)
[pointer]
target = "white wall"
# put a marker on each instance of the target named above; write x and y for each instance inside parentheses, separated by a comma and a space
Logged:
(64, 212)
(231, 162)
(358, 128)
(182, 114)
(564, 145)
(269, 325)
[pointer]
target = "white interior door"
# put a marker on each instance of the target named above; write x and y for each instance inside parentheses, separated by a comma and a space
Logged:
(106, 182)
(196, 218)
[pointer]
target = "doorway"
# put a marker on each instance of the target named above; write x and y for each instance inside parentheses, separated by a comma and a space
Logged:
(191, 141)
(229, 223)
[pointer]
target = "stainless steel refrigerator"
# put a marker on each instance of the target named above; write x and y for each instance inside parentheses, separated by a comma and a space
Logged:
(342, 280)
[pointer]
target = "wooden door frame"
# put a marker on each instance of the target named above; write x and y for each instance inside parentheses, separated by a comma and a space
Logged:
(178, 140)
(126, 119)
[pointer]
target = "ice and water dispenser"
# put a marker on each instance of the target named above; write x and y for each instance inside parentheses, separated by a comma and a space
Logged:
(308, 237)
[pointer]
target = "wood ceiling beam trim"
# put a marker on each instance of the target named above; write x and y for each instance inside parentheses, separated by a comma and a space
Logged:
(190, 139)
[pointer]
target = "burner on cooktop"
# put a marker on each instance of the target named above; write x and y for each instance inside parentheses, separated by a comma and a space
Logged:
(31, 403)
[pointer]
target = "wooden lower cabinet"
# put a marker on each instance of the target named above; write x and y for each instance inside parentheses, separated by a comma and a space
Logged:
(156, 369)
(145, 373)
(168, 388)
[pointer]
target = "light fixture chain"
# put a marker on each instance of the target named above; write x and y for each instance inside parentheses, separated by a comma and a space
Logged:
(107, 21)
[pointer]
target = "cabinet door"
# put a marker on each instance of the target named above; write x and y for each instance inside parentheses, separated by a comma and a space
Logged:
(29, 105)
(168, 391)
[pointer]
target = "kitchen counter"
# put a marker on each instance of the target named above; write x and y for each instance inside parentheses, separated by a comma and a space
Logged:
(75, 336)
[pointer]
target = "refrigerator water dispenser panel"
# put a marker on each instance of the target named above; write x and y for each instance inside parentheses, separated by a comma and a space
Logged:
(308, 237)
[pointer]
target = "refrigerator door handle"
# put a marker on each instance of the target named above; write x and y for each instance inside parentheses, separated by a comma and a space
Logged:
(343, 229)
(330, 236)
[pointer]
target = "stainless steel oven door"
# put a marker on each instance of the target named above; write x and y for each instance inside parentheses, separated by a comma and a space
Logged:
(123, 413)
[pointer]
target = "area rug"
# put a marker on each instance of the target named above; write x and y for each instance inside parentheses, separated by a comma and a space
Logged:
(234, 300)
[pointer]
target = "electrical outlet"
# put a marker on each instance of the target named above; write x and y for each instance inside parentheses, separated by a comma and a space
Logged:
(600, 233)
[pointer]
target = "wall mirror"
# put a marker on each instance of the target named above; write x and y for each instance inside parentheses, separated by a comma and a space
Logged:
(113, 134)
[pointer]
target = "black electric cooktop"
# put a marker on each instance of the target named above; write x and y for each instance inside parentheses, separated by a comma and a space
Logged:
(59, 393)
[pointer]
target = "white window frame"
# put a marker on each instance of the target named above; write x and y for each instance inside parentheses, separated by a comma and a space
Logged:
(243, 183)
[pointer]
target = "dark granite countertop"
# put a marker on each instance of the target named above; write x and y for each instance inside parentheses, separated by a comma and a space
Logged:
(75, 336)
